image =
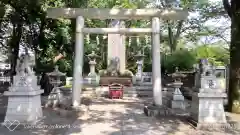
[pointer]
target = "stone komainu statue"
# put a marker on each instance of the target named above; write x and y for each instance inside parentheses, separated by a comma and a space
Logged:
(205, 68)
(23, 65)
(114, 66)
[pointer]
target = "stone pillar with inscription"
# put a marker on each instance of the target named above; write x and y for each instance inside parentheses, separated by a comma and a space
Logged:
(139, 57)
(116, 45)
(207, 102)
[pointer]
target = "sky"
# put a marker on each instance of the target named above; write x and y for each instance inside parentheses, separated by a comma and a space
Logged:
(213, 23)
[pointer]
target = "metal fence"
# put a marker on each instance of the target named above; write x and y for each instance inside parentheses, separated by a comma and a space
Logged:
(4, 79)
(5, 82)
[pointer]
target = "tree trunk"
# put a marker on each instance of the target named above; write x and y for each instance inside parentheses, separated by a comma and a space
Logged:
(2, 13)
(234, 82)
(174, 38)
(14, 46)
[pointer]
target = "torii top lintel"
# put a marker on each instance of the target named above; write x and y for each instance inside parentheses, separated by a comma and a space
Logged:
(96, 13)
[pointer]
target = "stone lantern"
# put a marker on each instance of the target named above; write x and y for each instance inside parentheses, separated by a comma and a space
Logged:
(92, 76)
(56, 95)
(139, 57)
(177, 98)
(55, 77)
(92, 63)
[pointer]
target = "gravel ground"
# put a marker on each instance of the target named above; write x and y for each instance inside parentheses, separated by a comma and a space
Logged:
(111, 117)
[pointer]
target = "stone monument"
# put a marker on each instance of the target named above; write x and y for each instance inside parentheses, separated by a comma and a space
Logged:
(24, 96)
(116, 45)
(207, 101)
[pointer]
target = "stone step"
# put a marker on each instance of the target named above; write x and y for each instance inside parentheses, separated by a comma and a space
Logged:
(128, 91)
(130, 95)
(88, 93)
(144, 89)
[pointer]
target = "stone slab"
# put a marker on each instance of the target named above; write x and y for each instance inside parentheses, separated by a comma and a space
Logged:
(153, 111)
(212, 94)
(23, 93)
(162, 111)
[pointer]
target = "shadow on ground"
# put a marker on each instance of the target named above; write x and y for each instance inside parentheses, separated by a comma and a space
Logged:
(109, 117)
(118, 117)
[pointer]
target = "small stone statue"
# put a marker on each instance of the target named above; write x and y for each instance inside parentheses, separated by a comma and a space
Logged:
(205, 68)
(27, 64)
(20, 69)
(114, 66)
(23, 65)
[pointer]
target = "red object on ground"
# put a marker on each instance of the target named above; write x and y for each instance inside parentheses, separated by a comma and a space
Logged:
(115, 91)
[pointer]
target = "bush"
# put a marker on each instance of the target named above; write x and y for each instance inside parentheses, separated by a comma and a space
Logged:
(183, 59)
(126, 73)
(102, 72)
(217, 56)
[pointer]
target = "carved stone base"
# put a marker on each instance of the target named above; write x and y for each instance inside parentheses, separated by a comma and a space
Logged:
(178, 104)
(178, 100)
(23, 107)
(207, 111)
(208, 108)
(59, 96)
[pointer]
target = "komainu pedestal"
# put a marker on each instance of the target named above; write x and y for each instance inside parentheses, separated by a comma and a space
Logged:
(207, 110)
(24, 97)
(24, 100)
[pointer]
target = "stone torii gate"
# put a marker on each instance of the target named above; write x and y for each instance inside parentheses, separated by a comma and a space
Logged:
(95, 13)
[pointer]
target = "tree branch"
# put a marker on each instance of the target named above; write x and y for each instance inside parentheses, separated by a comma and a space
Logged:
(179, 28)
(227, 7)
(4, 45)
(170, 36)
